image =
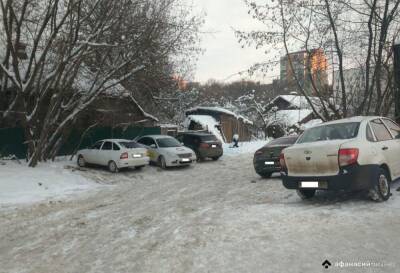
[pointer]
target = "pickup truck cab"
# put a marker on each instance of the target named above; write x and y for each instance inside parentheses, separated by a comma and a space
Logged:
(359, 153)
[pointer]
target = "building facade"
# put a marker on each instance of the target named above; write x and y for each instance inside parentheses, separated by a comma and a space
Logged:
(304, 67)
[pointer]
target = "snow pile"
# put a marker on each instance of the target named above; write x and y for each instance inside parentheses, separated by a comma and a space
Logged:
(244, 147)
(207, 122)
(22, 184)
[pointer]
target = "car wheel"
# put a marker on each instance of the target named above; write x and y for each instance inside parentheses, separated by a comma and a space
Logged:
(215, 158)
(265, 175)
(81, 161)
(381, 190)
(161, 162)
(112, 167)
(306, 193)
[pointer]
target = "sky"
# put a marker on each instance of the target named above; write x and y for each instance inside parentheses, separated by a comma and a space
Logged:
(223, 55)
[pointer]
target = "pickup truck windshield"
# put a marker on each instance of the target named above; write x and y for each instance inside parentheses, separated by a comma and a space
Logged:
(346, 130)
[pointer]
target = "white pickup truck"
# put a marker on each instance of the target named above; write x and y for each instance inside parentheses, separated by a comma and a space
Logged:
(359, 153)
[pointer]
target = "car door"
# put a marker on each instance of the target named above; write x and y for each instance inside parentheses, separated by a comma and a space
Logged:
(90, 157)
(394, 129)
(153, 149)
(147, 141)
(116, 152)
(385, 145)
(104, 155)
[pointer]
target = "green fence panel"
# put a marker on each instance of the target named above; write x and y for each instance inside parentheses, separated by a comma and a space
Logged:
(12, 139)
(99, 133)
(12, 142)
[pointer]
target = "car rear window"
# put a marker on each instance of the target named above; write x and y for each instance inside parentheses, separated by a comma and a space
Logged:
(381, 132)
(208, 138)
(129, 145)
(346, 130)
(283, 141)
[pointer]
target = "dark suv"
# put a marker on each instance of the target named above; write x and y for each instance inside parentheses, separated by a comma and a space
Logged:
(266, 159)
(205, 145)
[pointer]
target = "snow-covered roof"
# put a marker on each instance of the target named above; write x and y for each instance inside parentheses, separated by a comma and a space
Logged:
(207, 122)
(167, 125)
(292, 117)
(220, 110)
(311, 123)
(297, 101)
(213, 109)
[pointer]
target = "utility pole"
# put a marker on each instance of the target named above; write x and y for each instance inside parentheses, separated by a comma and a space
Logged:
(396, 49)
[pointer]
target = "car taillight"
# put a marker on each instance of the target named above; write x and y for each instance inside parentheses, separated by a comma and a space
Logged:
(282, 161)
(348, 157)
(124, 156)
(259, 152)
(204, 145)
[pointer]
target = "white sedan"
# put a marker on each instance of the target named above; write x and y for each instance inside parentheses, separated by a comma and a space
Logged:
(358, 153)
(115, 154)
(166, 151)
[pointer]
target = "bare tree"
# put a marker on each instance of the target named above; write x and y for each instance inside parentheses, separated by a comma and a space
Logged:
(76, 50)
(353, 34)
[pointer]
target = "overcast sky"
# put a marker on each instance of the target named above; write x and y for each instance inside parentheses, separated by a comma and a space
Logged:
(223, 55)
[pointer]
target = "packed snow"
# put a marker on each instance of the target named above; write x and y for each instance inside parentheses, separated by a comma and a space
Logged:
(211, 217)
(49, 181)
(244, 147)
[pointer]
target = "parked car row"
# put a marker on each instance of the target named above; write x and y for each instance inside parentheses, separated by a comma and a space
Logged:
(162, 150)
(359, 153)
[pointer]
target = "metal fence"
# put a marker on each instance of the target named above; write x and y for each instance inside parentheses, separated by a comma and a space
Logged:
(12, 139)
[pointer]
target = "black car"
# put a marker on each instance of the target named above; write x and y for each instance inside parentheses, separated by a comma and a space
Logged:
(205, 145)
(266, 159)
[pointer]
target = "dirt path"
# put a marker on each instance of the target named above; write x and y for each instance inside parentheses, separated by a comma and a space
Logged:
(212, 217)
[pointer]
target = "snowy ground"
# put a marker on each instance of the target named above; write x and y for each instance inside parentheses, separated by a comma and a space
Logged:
(51, 181)
(211, 217)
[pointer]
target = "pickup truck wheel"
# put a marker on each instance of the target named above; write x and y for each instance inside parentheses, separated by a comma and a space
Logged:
(306, 193)
(112, 167)
(381, 190)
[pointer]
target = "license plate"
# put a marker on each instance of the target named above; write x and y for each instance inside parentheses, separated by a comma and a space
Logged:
(269, 163)
(213, 146)
(137, 156)
(185, 160)
(310, 185)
